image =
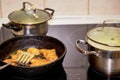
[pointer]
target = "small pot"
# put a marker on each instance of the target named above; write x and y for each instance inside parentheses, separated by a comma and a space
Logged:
(26, 41)
(29, 20)
(105, 43)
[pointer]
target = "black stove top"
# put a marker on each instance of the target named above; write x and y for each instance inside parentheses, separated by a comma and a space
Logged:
(58, 73)
(94, 75)
(75, 65)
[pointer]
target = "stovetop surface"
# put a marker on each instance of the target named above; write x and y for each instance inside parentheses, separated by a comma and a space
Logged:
(94, 75)
(75, 65)
(55, 74)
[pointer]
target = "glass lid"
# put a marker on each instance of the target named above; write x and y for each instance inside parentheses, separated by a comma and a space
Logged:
(29, 15)
(109, 36)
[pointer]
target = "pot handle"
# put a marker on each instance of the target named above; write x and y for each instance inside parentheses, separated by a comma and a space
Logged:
(32, 7)
(51, 11)
(108, 21)
(81, 50)
(111, 20)
(12, 26)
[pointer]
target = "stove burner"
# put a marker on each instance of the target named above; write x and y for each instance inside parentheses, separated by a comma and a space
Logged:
(94, 75)
(57, 74)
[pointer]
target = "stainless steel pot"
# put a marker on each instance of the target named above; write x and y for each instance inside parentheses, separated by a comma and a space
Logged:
(105, 57)
(29, 20)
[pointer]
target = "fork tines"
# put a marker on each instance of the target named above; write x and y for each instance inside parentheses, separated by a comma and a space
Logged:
(25, 58)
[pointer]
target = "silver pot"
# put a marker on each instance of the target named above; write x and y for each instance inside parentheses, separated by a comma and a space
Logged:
(29, 20)
(105, 57)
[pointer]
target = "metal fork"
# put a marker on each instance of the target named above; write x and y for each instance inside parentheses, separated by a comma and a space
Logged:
(23, 59)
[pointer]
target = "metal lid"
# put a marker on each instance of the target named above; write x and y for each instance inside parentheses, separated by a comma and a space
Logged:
(30, 16)
(109, 36)
(101, 46)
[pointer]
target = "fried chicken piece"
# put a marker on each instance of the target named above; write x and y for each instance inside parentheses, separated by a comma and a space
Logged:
(38, 62)
(50, 54)
(33, 50)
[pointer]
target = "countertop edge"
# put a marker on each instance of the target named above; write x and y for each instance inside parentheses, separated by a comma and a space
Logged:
(74, 20)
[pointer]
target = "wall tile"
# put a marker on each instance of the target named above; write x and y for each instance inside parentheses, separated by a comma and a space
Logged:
(104, 7)
(9, 6)
(0, 10)
(68, 7)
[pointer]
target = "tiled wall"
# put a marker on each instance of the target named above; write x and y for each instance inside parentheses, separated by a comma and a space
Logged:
(66, 7)
(0, 10)
(104, 7)
(9, 6)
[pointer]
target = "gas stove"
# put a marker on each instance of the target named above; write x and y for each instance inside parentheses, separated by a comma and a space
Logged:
(75, 65)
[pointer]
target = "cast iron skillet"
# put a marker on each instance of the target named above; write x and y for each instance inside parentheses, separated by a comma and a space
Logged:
(24, 42)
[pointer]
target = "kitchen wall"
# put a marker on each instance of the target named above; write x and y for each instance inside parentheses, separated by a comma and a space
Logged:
(66, 7)
(0, 10)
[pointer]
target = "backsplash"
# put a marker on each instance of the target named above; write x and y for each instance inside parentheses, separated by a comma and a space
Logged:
(66, 7)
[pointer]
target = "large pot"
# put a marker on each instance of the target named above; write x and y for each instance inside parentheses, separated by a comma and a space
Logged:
(23, 42)
(105, 43)
(29, 20)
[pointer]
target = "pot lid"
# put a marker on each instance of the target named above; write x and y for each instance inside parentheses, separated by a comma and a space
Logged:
(109, 36)
(30, 15)
(101, 46)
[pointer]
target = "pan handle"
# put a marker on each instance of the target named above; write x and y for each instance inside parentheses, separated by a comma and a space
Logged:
(79, 43)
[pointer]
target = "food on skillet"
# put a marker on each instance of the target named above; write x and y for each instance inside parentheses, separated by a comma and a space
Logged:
(42, 56)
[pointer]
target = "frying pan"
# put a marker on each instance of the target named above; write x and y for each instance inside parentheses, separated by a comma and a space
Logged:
(37, 41)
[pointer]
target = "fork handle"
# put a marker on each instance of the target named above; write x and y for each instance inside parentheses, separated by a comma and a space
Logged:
(4, 66)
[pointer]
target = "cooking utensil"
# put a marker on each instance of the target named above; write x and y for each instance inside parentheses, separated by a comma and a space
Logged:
(37, 41)
(23, 59)
(29, 20)
(105, 43)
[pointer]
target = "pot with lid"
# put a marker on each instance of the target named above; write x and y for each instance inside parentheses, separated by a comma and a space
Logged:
(29, 20)
(105, 40)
